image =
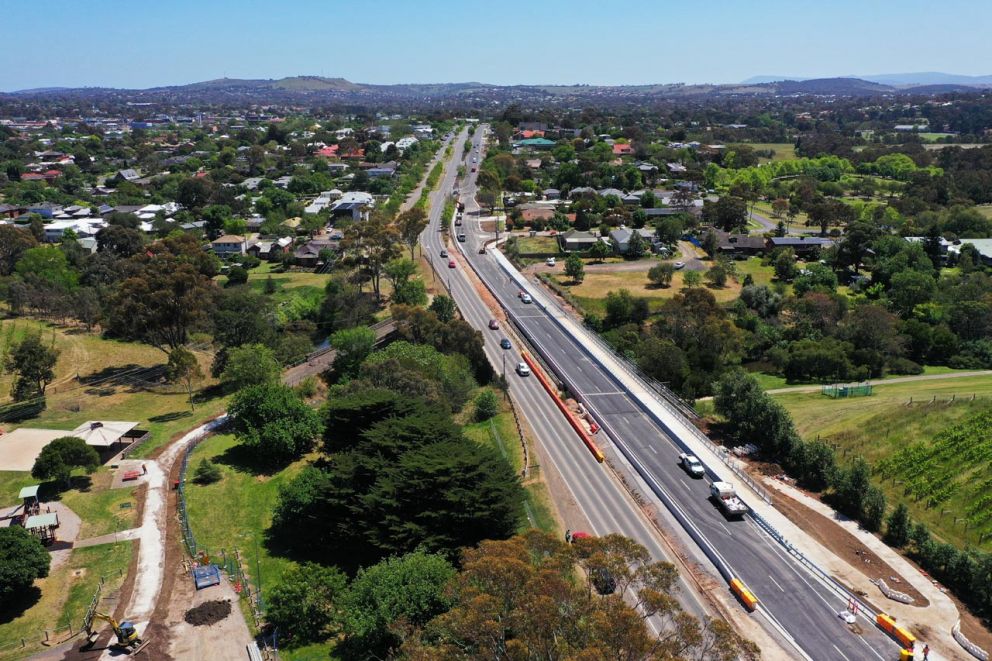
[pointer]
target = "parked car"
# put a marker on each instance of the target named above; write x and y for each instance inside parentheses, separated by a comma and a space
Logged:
(526, 298)
(504, 343)
(482, 250)
(493, 324)
(451, 264)
(679, 265)
(550, 261)
(522, 369)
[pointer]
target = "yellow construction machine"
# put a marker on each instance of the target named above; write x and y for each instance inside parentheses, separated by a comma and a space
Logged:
(127, 634)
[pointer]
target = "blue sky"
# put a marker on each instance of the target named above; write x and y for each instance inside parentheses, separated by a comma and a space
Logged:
(144, 43)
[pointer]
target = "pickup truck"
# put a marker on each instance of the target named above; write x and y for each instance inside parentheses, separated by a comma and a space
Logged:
(691, 464)
(725, 496)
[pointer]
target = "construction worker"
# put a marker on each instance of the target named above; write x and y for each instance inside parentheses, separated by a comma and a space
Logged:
(926, 652)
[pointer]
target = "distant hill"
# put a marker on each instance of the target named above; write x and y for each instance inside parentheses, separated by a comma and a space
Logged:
(925, 78)
(833, 86)
(318, 89)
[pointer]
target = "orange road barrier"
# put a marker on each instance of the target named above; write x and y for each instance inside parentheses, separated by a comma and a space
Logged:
(887, 623)
(576, 425)
(744, 594)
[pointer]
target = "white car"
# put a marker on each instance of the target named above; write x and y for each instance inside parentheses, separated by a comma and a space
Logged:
(526, 298)
(679, 265)
(522, 369)
(550, 261)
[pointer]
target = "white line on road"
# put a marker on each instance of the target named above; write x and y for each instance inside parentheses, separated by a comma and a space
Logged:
(651, 447)
(725, 528)
(839, 652)
(687, 487)
(776, 583)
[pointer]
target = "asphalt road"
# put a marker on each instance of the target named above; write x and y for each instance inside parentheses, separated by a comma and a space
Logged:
(604, 502)
(792, 599)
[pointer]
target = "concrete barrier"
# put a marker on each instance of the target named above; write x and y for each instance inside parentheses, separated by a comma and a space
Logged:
(969, 646)
(894, 595)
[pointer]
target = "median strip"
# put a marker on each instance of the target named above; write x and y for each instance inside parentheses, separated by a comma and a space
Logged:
(576, 425)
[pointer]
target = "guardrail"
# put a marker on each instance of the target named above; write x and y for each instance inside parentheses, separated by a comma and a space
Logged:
(812, 566)
(557, 314)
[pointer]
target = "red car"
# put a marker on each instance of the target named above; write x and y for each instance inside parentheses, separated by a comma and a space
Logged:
(494, 324)
(451, 264)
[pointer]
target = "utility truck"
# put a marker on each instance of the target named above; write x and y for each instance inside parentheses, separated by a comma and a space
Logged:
(725, 496)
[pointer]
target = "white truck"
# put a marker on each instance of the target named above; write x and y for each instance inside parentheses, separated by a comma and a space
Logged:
(691, 464)
(725, 496)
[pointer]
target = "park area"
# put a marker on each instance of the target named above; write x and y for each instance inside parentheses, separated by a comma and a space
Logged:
(929, 443)
(102, 379)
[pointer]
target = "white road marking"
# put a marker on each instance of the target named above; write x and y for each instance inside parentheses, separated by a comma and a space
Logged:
(725, 528)
(839, 652)
(776, 583)
(651, 447)
(687, 487)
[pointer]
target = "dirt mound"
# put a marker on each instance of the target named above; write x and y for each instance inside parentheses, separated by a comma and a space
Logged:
(209, 612)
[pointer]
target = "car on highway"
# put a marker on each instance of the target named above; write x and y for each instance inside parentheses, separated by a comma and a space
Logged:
(522, 369)
(444, 252)
(526, 298)
(458, 221)
(473, 169)
(482, 250)
(504, 343)
(691, 464)
(451, 264)
(550, 261)
(493, 324)
(461, 238)
(679, 265)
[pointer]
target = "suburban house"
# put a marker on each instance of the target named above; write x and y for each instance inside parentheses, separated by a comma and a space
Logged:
(531, 212)
(82, 227)
(45, 209)
(11, 210)
(804, 246)
(353, 203)
(309, 253)
(551, 193)
(385, 171)
(231, 244)
(623, 149)
(128, 174)
(270, 248)
(983, 246)
(576, 240)
(535, 143)
(621, 238)
(740, 244)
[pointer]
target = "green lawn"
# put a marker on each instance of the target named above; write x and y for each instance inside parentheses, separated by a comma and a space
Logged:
(103, 510)
(65, 595)
(784, 151)
(985, 210)
(234, 512)
(101, 379)
(933, 136)
(878, 426)
(501, 433)
(773, 381)
(537, 245)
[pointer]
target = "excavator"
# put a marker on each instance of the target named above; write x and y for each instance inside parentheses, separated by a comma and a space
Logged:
(127, 634)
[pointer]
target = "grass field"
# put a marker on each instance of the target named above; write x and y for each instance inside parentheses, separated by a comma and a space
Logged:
(65, 595)
(876, 427)
(235, 511)
(501, 433)
(113, 384)
(985, 210)
(933, 137)
(784, 151)
(591, 293)
(537, 245)
(774, 381)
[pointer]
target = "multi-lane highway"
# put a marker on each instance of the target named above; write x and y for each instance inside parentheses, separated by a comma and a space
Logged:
(793, 600)
(603, 502)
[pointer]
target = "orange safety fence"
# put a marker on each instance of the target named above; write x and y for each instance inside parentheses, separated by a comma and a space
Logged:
(576, 425)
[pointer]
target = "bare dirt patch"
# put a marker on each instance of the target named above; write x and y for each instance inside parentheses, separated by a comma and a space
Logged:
(844, 545)
(209, 612)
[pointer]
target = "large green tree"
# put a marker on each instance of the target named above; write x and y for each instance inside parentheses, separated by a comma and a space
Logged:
(33, 363)
(22, 560)
(58, 459)
(250, 365)
(305, 606)
(273, 422)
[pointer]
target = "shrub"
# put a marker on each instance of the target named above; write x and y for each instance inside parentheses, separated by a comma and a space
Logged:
(486, 405)
(206, 472)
